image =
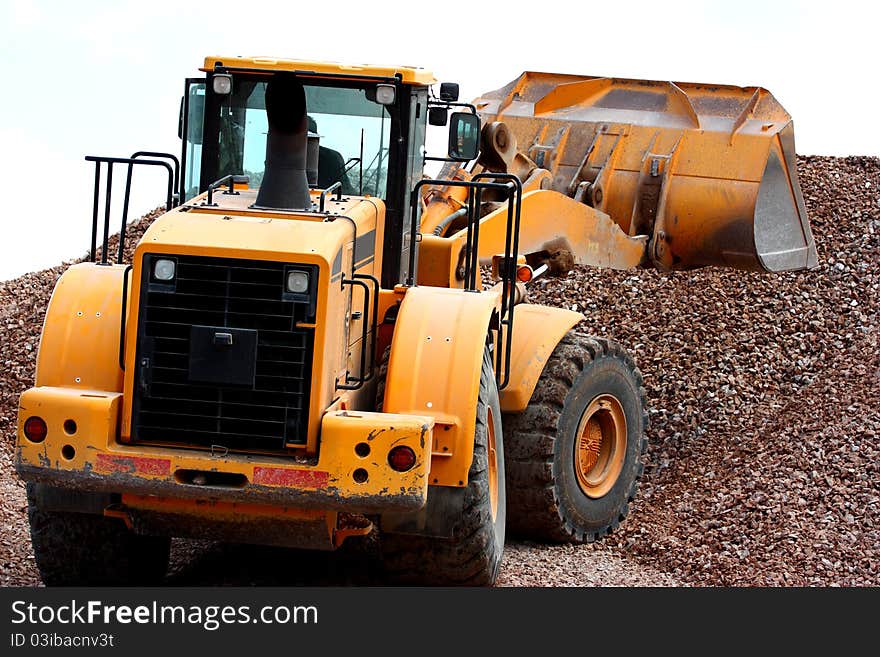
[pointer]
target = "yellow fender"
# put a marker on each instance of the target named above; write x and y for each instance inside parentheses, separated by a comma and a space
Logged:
(536, 332)
(79, 347)
(434, 370)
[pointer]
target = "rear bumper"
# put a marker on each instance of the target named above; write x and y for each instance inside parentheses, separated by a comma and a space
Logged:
(90, 459)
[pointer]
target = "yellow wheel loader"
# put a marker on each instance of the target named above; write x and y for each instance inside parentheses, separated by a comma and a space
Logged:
(303, 349)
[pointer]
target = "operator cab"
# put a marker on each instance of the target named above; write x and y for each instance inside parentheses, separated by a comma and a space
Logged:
(362, 134)
(354, 135)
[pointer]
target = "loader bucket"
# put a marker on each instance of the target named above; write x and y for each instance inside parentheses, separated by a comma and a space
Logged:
(708, 172)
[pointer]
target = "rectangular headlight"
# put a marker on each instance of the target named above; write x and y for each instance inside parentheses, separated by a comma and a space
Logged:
(164, 269)
(222, 83)
(385, 94)
(298, 282)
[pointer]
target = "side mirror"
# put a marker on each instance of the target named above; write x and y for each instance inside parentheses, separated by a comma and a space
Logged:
(438, 116)
(449, 91)
(464, 136)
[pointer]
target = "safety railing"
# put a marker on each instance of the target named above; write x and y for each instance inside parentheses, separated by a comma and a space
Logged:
(135, 159)
(511, 188)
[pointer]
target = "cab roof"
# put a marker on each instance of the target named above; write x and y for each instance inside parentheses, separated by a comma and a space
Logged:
(408, 74)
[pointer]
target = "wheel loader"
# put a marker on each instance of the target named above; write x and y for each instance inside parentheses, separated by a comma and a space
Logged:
(317, 342)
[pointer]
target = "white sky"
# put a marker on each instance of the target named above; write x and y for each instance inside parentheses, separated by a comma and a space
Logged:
(105, 78)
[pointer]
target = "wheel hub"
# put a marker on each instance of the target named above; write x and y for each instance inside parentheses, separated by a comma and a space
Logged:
(600, 446)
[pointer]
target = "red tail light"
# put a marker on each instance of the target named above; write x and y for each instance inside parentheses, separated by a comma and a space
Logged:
(401, 458)
(35, 429)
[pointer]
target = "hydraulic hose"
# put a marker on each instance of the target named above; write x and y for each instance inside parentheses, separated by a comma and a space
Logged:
(443, 225)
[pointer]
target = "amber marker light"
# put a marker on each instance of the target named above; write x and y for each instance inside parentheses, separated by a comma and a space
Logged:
(524, 273)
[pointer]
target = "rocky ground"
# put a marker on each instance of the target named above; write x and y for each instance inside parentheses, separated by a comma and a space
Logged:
(765, 421)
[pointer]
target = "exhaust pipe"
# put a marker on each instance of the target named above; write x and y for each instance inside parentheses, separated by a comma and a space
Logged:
(285, 181)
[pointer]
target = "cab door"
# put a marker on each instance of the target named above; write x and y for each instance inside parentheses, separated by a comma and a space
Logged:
(192, 119)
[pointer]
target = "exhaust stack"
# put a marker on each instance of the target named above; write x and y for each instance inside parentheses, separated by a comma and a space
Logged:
(285, 181)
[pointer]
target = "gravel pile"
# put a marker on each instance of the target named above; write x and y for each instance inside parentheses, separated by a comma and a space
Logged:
(765, 411)
(23, 303)
(765, 401)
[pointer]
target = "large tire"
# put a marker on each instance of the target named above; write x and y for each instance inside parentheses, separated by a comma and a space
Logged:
(570, 477)
(473, 555)
(82, 549)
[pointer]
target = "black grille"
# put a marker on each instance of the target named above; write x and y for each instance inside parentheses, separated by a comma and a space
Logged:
(263, 413)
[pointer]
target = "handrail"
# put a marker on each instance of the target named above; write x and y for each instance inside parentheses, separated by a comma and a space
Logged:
(512, 186)
(110, 161)
(508, 294)
(166, 156)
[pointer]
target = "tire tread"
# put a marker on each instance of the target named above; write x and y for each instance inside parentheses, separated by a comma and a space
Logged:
(534, 509)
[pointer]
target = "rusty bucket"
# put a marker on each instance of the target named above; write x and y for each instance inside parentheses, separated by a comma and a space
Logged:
(708, 172)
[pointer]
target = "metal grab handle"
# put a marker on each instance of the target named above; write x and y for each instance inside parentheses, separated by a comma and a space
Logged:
(335, 187)
(374, 324)
(359, 381)
(230, 179)
(123, 317)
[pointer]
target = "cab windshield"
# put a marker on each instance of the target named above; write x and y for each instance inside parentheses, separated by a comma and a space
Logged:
(353, 130)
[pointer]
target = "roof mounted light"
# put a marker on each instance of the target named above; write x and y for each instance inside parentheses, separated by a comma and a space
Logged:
(222, 84)
(449, 92)
(385, 94)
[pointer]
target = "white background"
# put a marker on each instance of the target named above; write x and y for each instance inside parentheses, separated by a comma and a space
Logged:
(105, 78)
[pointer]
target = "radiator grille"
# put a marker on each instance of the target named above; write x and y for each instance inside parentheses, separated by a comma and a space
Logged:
(265, 414)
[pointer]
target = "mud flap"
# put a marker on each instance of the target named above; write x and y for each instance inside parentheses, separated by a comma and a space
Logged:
(438, 518)
(65, 500)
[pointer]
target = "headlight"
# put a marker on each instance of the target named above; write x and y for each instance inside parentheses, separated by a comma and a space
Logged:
(222, 83)
(385, 94)
(164, 269)
(298, 282)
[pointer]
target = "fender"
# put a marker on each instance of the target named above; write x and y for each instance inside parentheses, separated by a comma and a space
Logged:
(79, 347)
(536, 332)
(434, 370)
